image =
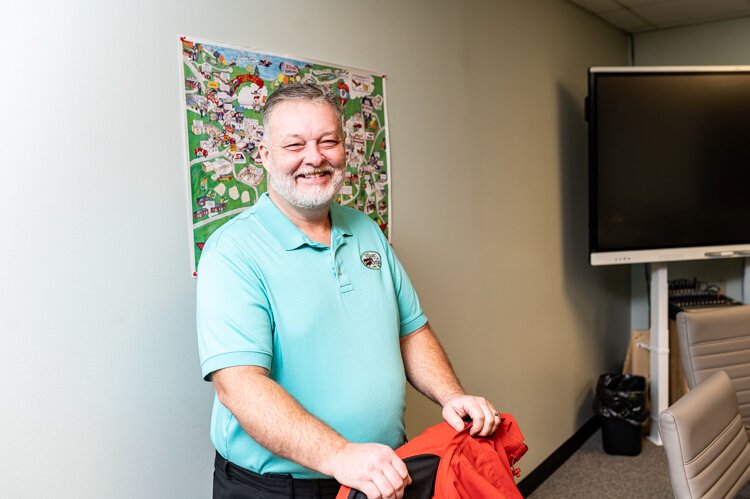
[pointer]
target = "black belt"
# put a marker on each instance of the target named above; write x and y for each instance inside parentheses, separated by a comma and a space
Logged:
(279, 483)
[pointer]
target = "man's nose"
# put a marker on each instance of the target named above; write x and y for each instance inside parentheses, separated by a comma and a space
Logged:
(313, 155)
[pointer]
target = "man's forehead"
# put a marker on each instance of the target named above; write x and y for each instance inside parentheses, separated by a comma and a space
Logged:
(302, 108)
(300, 118)
(290, 134)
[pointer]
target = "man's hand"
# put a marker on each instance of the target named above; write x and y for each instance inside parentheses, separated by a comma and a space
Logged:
(373, 469)
(485, 418)
(429, 371)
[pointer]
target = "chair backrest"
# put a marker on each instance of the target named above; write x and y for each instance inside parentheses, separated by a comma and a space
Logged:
(718, 340)
(708, 450)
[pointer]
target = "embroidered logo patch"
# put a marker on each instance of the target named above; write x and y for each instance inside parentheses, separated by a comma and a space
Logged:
(371, 260)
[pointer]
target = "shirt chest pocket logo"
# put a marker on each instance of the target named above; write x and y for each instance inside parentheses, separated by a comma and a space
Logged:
(371, 260)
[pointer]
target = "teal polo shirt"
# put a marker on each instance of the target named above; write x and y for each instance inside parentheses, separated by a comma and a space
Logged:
(325, 321)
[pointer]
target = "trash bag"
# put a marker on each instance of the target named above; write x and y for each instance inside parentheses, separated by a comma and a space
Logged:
(622, 397)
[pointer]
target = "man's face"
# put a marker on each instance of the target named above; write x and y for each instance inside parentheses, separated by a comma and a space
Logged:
(303, 153)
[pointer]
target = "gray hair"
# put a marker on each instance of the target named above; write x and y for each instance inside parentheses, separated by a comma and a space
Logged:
(306, 92)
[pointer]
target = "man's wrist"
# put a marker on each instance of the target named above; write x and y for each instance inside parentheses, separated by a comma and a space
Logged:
(451, 395)
(327, 464)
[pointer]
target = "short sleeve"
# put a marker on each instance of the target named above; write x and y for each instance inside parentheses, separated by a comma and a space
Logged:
(233, 314)
(410, 311)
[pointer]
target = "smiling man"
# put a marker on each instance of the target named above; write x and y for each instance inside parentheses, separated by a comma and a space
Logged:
(309, 327)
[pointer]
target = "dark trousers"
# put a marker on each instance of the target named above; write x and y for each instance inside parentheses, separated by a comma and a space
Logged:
(234, 482)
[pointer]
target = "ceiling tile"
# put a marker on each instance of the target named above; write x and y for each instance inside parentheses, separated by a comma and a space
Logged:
(639, 3)
(626, 20)
(647, 15)
(596, 6)
(680, 12)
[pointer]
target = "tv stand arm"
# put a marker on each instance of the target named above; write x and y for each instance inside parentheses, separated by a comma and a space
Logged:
(659, 346)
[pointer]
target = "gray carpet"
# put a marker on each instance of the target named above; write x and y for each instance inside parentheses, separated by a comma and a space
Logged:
(591, 473)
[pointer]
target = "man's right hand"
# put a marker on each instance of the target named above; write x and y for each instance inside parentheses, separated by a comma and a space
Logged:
(373, 469)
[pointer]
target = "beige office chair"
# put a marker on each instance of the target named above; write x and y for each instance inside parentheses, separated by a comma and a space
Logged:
(708, 450)
(714, 340)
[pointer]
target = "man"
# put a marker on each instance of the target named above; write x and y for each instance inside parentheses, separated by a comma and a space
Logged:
(308, 326)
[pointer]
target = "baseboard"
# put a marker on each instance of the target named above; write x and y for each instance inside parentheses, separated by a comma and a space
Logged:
(557, 458)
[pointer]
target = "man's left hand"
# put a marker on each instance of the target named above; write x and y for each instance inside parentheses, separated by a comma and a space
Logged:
(485, 418)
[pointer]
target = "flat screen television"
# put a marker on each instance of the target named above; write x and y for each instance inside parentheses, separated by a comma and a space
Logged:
(669, 163)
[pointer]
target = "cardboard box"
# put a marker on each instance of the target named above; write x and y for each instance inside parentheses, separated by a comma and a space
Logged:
(638, 360)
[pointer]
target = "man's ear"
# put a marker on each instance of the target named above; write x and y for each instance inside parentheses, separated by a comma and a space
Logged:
(263, 152)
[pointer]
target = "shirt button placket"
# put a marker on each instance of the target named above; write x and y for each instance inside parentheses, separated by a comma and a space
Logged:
(334, 268)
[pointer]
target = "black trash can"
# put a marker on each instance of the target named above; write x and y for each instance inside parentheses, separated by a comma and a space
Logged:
(621, 403)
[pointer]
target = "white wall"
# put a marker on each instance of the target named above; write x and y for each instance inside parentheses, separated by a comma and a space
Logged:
(717, 43)
(102, 395)
(725, 42)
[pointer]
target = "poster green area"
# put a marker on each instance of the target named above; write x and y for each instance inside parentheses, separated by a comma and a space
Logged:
(225, 89)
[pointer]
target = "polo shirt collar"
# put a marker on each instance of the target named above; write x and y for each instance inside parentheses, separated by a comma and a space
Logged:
(289, 235)
(338, 222)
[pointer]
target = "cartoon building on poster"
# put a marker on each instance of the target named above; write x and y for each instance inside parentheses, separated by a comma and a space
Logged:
(225, 91)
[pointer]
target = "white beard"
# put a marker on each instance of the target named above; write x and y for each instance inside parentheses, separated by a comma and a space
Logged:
(312, 198)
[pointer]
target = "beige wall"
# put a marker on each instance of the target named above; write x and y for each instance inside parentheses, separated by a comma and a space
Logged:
(102, 388)
(502, 270)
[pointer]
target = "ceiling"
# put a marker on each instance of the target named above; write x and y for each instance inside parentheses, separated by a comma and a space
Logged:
(636, 16)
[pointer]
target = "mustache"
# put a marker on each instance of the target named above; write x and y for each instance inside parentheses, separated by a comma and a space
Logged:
(312, 171)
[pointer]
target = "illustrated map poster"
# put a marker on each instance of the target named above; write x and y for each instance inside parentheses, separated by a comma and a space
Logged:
(225, 89)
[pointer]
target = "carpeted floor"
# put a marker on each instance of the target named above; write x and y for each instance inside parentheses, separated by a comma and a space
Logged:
(591, 473)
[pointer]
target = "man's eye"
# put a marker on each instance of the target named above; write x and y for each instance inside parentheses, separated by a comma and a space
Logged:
(330, 143)
(294, 147)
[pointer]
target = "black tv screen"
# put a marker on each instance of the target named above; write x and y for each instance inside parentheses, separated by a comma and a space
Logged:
(669, 163)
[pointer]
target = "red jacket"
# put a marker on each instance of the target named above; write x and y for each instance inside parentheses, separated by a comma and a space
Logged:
(446, 464)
